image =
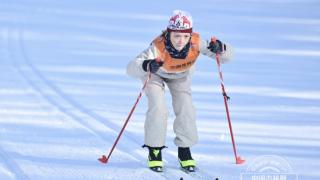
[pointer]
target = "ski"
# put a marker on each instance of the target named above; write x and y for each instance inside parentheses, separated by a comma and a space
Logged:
(198, 174)
(168, 173)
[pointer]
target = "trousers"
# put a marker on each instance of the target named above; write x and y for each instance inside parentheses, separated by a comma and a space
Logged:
(184, 125)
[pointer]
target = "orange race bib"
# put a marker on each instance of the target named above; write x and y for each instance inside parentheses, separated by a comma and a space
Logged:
(173, 65)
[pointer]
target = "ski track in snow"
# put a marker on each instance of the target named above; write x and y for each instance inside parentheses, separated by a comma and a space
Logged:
(63, 99)
(58, 104)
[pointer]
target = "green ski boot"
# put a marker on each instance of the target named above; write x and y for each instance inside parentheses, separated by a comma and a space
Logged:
(155, 162)
(185, 159)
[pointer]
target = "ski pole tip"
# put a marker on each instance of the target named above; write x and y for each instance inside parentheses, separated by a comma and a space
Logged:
(103, 159)
(239, 160)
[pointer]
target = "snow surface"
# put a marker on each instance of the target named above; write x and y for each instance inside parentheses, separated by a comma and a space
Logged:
(64, 94)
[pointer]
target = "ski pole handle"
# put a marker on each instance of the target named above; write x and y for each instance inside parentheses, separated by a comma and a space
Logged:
(158, 60)
(213, 39)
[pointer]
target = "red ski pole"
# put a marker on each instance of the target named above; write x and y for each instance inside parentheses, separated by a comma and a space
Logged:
(226, 98)
(104, 159)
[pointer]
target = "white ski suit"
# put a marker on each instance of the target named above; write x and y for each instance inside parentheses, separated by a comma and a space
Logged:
(179, 85)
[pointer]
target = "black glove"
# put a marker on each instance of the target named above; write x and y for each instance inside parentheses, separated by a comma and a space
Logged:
(152, 65)
(216, 46)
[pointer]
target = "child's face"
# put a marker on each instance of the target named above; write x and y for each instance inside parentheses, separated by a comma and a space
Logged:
(179, 40)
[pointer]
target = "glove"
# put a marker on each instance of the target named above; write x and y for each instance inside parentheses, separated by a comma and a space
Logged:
(151, 64)
(216, 46)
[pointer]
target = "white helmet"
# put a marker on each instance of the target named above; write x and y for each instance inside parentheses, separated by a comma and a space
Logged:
(180, 21)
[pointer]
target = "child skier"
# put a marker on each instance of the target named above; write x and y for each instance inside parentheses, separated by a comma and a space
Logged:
(170, 59)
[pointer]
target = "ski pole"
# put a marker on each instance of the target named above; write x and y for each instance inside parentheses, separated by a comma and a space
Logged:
(104, 159)
(226, 98)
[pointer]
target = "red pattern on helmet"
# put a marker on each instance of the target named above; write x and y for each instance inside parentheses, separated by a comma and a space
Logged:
(180, 22)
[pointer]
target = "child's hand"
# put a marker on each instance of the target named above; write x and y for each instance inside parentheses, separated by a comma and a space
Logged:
(152, 65)
(216, 46)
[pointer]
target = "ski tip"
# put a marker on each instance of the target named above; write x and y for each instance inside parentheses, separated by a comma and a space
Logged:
(103, 159)
(239, 160)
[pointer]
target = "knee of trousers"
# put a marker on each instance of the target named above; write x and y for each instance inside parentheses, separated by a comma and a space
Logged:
(157, 115)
